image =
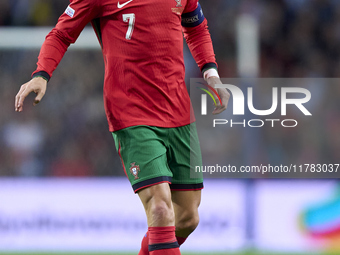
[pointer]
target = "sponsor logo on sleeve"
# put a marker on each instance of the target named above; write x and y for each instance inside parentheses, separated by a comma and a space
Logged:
(69, 11)
(191, 19)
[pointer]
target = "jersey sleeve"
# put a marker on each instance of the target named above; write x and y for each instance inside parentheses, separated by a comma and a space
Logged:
(197, 36)
(70, 24)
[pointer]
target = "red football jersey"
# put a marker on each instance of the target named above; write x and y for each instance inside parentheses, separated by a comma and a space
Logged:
(142, 44)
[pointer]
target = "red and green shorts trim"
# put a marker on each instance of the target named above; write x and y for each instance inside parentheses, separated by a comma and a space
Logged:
(152, 155)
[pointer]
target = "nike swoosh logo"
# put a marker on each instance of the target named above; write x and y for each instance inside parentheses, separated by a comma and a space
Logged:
(122, 5)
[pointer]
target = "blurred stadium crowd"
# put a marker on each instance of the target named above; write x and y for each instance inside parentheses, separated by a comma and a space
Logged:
(67, 134)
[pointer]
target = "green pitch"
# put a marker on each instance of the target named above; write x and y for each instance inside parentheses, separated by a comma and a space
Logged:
(246, 253)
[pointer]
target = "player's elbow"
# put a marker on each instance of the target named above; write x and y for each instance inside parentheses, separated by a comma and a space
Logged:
(60, 37)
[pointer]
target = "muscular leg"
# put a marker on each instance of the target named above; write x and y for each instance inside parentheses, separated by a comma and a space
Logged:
(186, 205)
(181, 212)
(161, 238)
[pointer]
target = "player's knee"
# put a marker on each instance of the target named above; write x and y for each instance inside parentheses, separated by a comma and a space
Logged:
(188, 224)
(162, 214)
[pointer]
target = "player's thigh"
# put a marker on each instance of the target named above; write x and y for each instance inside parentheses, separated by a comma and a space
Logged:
(143, 156)
(184, 155)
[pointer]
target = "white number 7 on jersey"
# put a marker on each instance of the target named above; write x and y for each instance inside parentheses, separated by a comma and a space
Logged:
(130, 17)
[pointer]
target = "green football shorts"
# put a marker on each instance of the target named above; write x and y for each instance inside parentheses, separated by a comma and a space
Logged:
(152, 155)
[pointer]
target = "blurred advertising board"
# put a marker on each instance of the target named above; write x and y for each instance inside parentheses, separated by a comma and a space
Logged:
(297, 215)
(105, 215)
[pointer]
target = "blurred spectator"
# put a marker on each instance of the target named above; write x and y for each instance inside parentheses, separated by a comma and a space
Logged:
(31, 12)
(24, 139)
(5, 14)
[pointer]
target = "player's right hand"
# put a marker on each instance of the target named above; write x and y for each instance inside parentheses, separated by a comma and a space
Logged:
(37, 85)
(223, 93)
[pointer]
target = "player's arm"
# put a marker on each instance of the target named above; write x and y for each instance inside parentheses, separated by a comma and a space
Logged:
(69, 26)
(197, 36)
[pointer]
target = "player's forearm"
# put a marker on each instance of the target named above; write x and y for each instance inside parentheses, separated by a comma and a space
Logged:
(200, 44)
(51, 53)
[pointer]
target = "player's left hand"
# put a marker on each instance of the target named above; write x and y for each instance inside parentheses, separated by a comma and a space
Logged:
(223, 93)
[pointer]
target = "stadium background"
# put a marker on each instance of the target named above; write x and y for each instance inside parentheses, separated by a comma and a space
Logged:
(65, 139)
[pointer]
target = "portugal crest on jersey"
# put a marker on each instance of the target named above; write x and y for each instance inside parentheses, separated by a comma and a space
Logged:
(179, 4)
(134, 170)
